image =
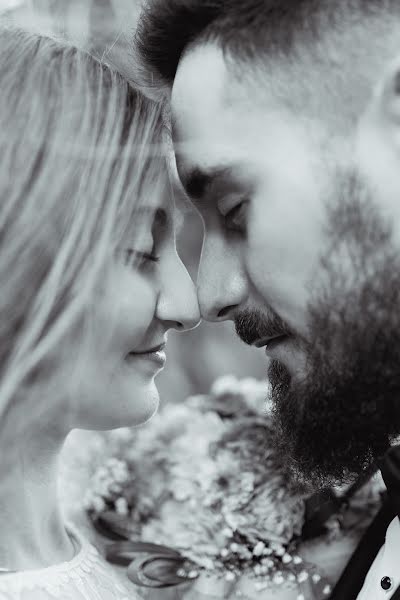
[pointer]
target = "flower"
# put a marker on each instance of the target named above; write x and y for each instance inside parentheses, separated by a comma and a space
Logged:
(227, 384)
(204, 478)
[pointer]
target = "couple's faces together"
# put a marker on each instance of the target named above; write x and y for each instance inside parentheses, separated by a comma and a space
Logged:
(299, 198)
(300, 251)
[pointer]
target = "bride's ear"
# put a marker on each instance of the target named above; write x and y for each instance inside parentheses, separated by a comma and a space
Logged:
(387, 97)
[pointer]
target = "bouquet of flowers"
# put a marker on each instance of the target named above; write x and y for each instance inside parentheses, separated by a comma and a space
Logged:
(199, 496)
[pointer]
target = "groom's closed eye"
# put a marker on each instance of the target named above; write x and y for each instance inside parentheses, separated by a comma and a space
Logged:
(236, 218)
(226, 189)
(200, 183)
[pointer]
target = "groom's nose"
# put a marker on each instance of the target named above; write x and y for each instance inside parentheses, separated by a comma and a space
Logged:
(221, 282)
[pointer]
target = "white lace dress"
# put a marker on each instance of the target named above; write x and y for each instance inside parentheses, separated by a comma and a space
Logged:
(86, 577)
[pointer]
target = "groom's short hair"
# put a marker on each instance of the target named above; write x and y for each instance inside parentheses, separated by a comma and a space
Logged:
(244, 29)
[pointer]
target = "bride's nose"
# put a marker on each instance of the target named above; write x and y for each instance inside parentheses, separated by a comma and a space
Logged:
(177, 302)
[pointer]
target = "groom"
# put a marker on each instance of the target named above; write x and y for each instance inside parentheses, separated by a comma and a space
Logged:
(286, 127)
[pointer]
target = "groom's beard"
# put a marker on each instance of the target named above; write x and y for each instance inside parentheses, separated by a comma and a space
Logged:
(344, 412)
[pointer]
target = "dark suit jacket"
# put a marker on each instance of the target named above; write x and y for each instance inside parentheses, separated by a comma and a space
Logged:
(353, 577)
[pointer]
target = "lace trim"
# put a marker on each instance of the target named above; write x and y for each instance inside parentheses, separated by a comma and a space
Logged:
(55, 576)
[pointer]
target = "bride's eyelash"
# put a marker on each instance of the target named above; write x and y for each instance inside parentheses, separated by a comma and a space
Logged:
(150, 257)
(132, 257)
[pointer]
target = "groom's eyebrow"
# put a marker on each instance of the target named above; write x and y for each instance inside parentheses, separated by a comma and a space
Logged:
(200, 183)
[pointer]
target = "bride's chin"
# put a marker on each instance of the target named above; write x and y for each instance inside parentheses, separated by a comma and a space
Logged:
(139, 407)
(130, 406)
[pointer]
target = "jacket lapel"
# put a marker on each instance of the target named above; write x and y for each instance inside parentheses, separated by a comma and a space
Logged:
(350, 583)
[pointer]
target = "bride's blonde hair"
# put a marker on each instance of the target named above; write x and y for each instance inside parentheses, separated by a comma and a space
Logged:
(78, 148)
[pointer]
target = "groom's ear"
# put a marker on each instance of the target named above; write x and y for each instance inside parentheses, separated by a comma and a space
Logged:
(387, 97)
(378, 134)
(383, 110)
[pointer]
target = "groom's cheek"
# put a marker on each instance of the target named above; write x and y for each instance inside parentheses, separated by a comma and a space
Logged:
(285, 241)
(222, 283)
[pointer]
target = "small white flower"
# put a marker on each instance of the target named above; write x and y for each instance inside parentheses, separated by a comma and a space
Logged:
(302, 576)
(227, 532)
(115, 488)
(122, 434)
(121, 506)
(259, 586)
(268, 563)
(259, 549)
(102, 473)
(121, 476)
(227, 384)
(193, 574)
(88, 504)
(278, 579)
(98, 503)
(286, 559)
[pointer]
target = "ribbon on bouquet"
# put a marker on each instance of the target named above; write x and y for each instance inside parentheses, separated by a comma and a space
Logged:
(148, 565)
(157, 566)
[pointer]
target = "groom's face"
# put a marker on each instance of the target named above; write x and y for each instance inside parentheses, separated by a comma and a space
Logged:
(251, 169)
(299, 251)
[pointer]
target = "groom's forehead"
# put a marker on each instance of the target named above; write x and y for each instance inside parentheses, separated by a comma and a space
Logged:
(314, 82)
(211, 95)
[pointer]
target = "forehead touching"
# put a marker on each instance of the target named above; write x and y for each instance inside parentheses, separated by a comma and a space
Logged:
(164, 206)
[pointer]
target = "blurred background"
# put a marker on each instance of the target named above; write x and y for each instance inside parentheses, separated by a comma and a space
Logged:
(105, 28)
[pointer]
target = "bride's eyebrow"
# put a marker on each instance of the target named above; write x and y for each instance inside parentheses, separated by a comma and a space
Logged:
(145, 217)
(155, 214)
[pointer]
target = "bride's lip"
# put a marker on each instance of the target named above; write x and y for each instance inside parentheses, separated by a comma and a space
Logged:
(156, 355)
(158, 348)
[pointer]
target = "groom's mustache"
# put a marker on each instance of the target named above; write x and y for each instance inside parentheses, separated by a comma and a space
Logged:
(253, 325)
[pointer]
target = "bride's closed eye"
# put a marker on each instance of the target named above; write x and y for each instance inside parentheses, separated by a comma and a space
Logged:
(139, 258)
(145, 252)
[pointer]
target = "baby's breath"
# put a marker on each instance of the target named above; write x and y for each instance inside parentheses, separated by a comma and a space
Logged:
(204, 477)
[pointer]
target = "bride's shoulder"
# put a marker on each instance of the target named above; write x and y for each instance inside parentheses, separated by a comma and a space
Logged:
(86, 577)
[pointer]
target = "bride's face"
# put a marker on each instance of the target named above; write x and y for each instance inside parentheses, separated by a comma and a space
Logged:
(145, 291)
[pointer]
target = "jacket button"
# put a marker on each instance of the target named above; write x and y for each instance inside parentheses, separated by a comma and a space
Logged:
(386, 583)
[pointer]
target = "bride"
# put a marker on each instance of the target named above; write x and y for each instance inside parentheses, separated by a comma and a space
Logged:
(91, 283)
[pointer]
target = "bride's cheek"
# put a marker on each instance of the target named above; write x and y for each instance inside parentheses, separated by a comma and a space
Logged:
(129, 311)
